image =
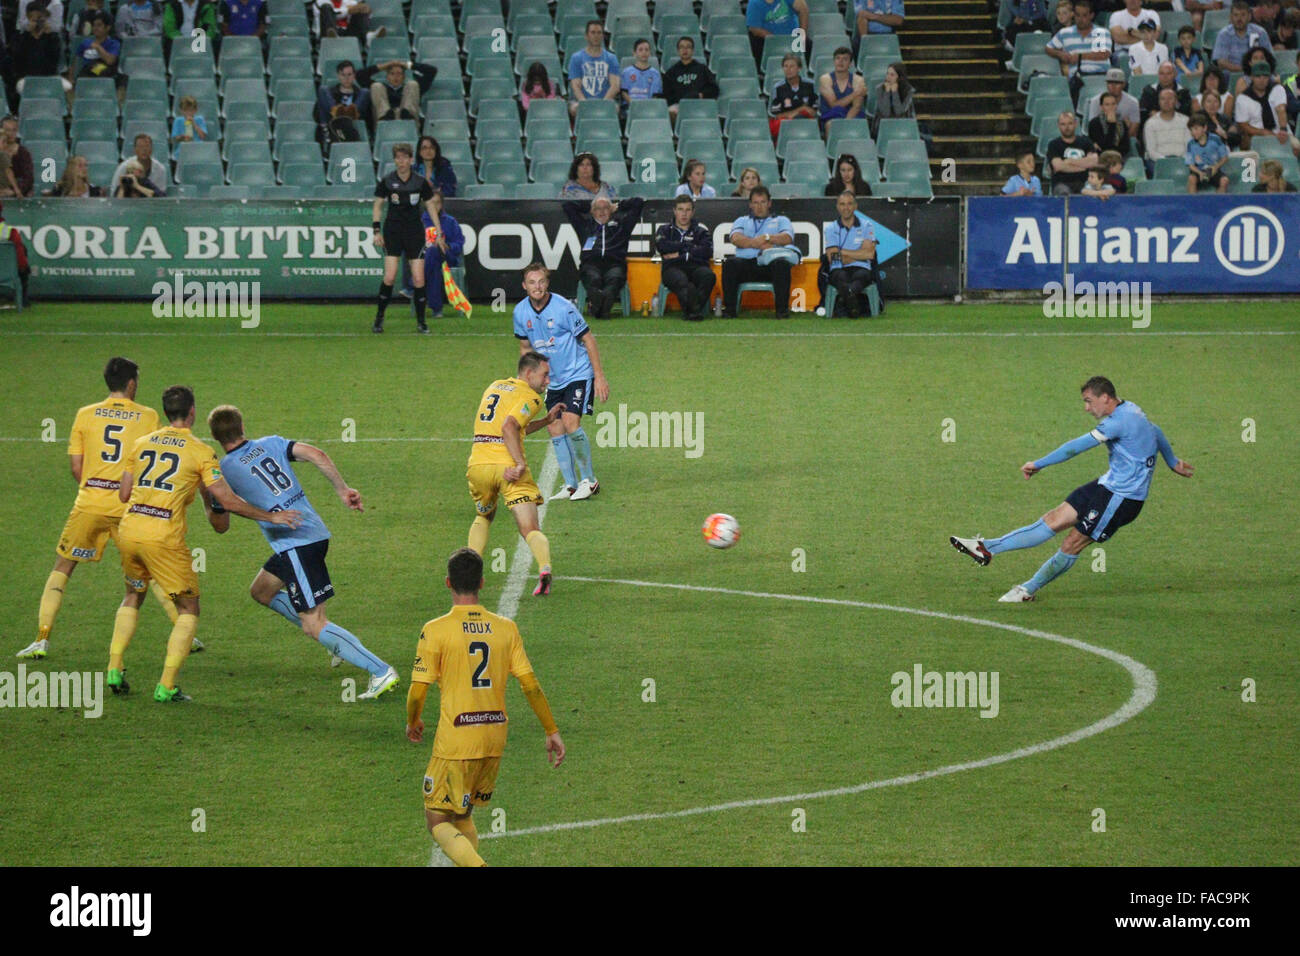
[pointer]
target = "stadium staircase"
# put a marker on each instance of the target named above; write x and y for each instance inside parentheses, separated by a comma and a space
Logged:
(964, 93)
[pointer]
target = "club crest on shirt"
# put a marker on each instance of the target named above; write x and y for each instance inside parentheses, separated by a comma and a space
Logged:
(394, 198)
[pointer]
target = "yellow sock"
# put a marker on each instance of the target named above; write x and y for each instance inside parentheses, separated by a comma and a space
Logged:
(478, 534)
(456, 845)
(178, 647)
(541, 549)
(167, 603)
(51, 601)
(467, 829)
(123, 631)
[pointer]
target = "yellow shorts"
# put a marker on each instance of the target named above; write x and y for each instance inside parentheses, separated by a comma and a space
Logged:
(172, 568)
(454, 786)
(488, 482)
(85, 534)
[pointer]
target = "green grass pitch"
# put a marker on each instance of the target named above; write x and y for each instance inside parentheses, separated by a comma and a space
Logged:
(827, 440)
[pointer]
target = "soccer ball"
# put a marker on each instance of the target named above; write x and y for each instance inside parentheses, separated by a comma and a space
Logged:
(721, 531)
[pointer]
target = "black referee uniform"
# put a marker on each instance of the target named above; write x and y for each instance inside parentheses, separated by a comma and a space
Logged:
(403, 232)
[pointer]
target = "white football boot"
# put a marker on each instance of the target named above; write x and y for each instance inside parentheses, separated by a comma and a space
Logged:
(1017, 595)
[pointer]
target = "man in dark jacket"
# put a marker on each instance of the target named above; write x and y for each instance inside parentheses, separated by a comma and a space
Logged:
(342, 110)
(37, 50)
(604, 232)
(688, 78)
(686, 248)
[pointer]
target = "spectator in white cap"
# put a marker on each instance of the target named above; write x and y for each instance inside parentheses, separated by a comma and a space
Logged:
(1126, 104)
(1146, 55)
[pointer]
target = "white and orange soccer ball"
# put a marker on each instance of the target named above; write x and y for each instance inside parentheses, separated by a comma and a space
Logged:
(721, 531)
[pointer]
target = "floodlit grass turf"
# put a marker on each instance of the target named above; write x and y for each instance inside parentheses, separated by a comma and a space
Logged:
(826, 443)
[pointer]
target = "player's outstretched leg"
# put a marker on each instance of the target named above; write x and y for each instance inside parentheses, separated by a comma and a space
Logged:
(1051, 569)
(343, 643)
(1030, 536)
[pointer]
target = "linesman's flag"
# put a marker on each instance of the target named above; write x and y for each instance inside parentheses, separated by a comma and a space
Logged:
(454, 295)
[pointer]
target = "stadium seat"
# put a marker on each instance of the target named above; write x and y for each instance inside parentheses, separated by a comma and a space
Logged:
(550, 171)
(729, 67)
(486, 191)
(92, 128)
(43, 149)
(490, 88)
(242, 68)
(300, 153)
(546, 110)
(698, 109)
(41, 127)
(1029, 44)
(842, 129)
(1158, 187)
(507, 172)
(134, 47)
(348, 160)
(1036, 64)
(712, 154)
(189, 68)
(767, 170)
(458, 152)
(333, 50)
(556, 150)
(200, 174)
(1049, 87)
(388, 132)
(154, 129)
(252, 174)
(1172, 168)
(654, 164)
(292, 88)
(798, 135)
(807, 172)
(599, 128)
(864, 151)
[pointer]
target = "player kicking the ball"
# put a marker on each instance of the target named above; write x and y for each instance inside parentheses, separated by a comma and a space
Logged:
(497, 468)
(1095, 510)
(294, 582)
(469, 653)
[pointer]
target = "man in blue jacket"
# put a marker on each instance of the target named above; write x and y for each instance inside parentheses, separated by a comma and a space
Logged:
(686, 248)
(604, 232)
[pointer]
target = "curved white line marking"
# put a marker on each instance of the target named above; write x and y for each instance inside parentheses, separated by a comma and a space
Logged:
(1144, 692)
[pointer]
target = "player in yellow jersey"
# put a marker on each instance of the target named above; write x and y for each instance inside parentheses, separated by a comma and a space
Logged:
(101, 437)
(163, 473)
(469, 653)
(507, 412)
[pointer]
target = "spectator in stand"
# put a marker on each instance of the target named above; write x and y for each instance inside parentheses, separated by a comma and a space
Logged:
(1146, 56)
(639, 80)
(1288, 31)
(1187, 58)
(1221, 125)
(843, 90)
(1237, 38)
(793, 98)
(876, 16)
(1126, 104)
(53, 8)
(1165, 132)
(1083, 49)
(537, 85)
(75, 183)
(1165, 82)
(1266, 14)
(447, 246)
(342, 110)
(1096, 186)
(766, 18)
(244, 18)
(1271, 178)
(435, 168)
(585, 182)
(894, 98)
(9, 234)
(765, 252)
(749, 181)
(1070, 156)
(1261, 110)
(1027, 16)
(1064, 16)
(593, 70)
(342, 18)
(1214, 81)
(21, 176)
(144, 158)
(138, 18)
(81, 25)
(692, 183)
(686, 249)
(97, 54)
(1123, 24)
(397, 96)
(1108, 129)
(850, 243)
(134, 184)
(1024, 182)
(37, 50)
(1255, 55)
(604, 230)
(182, 17)
(1205, 156)
(847, 178)
(189, 126)
(1113, 163)
(688, 79)
(1197, 9)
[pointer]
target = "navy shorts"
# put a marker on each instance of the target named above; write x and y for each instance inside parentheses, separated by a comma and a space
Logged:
(1101, 511)
(303, 571)
(576, 396)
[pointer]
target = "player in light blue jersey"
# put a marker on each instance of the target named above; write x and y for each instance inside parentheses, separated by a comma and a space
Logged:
(294, 582)
(1095, 510)
(552, 325)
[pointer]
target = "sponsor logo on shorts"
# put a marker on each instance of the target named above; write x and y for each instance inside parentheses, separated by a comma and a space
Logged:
(135, 583)
(472, 718)
(521, 500)
(482, 797)
(151, 511)
(483, 509)
(464, 801)
(428, 785)
(103, 483)
(83, 552)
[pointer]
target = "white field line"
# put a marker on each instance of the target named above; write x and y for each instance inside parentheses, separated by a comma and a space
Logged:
(764, 334)
(1144, 692)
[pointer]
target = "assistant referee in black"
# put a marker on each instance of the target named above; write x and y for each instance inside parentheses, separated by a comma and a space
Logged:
(402, 233)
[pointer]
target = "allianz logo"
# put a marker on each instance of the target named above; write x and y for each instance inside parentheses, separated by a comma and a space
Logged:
(1247, 241)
